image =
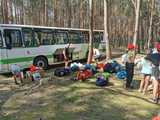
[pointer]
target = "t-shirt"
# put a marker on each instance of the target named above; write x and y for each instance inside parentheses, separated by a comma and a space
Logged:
(146, 67)
(15, 69)
(124, 58)
(131, 56)
(154, 58)
(96, 52)
(154, 50)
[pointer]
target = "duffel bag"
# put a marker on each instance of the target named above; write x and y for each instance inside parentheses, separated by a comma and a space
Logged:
(60, 72)
(83, 75)
(108, 68)
(101, 81)
(121, 74)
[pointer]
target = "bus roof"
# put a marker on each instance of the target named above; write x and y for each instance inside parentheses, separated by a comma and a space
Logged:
(58, 28)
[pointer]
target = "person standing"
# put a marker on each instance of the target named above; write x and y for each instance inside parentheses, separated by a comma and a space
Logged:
(130, 65)
(66, 55)
(155, 59)
(146, 71)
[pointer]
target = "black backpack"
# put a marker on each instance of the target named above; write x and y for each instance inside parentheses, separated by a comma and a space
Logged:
(60, 72)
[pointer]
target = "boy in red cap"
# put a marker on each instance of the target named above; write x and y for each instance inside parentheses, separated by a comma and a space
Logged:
(130, 65)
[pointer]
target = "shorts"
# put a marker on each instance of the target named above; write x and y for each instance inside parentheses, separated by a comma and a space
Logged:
(66, 59)
(96, 57)
(147, 74)
(156, 73)
(16, 72)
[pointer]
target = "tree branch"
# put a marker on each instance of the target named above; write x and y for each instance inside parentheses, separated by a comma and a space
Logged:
(134, 3)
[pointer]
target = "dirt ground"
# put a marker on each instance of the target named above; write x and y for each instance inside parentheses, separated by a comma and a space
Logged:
(63, 99)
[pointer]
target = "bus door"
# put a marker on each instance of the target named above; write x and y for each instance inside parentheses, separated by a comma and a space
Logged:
(3, 66)
(14, 47)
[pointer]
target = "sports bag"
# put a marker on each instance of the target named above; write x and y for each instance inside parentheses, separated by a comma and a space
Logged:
(83, 75)
(36, 76)
(108, 68)
(101, 81)
(60, 72)
(121, 74)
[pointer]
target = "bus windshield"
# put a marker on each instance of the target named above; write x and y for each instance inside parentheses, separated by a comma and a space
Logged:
(1, 43)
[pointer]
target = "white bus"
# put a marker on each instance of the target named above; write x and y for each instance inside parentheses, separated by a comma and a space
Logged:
(25, 45)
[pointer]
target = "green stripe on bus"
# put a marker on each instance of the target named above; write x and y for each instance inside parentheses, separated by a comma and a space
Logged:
(22, 59)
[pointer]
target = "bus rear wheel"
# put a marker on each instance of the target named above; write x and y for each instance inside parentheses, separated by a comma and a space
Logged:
(41, 62)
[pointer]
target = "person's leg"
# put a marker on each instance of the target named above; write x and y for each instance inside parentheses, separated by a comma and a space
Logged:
(130, 72)
(142, 84)
(147, 78)
(155, 89)
(66, 63)
(21, 76)
(128, 75)
(15, 79)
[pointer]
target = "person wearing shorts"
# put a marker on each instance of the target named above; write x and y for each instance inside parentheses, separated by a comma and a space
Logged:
(16, 71)
(146, 71)
(155, 59)
(66, 55)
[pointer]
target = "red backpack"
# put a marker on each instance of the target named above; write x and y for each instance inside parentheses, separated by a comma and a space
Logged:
(156, 118)
(83, 75)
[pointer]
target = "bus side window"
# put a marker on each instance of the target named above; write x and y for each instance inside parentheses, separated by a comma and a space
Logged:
(13, 38)
(74, 38)
(28, 37)
(96, 40)
(85, 37)
(60, 38)
(1, 42)
(37, 39)
(46, 38)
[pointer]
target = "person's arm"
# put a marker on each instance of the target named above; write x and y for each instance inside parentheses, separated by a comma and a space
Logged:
(64, 53)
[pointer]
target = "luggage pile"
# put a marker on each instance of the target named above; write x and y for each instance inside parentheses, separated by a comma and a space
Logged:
(100, 71)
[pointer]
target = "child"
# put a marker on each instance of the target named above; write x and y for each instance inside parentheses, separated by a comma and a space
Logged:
(16, 71)
(124, 58)
(130, 65)
(66, 55)
(155, 59)
(147, 71)
(96, 54)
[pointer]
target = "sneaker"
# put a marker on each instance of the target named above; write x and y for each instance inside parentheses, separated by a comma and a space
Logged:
(155, 101)
(140, 90)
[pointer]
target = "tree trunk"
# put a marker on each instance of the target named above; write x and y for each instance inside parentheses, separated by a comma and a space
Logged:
(106, 36)
(90, 32)
(137, 12)
(150, 25)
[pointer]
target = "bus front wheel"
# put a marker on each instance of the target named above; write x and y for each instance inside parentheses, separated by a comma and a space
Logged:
(41, 62)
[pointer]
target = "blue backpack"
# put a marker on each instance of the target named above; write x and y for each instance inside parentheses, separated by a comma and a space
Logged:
(101, 81)
(74, 68)
(88, 66)
(116, 66)
(121, 74)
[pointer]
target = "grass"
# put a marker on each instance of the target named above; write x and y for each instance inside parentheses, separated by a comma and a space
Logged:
(68, 100)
